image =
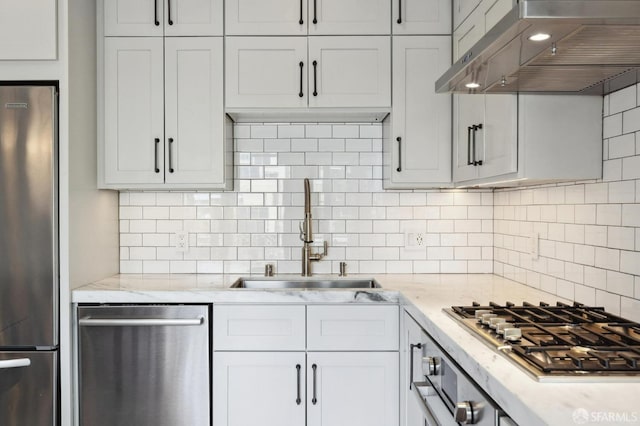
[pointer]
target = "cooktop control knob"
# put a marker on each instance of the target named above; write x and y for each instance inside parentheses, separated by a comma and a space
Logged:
(465, 413)
(430, 366)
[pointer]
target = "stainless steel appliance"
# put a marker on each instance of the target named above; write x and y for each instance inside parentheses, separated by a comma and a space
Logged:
(558, 343)
(144, 365)
(568, 46)
(445, 394)
(28, 256)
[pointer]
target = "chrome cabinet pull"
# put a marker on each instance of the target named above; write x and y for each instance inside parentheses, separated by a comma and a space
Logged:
(399, 12)
(314, 400)
(171, 170)
(476, 127)
(137, 322)
(399, 139)
(412, 346)
(155, 154)
(15, 363)
(155, 13)
(469, 130)
(301, 93)
(298, 399)
(301, 21)
(169, 12)
(315, 11)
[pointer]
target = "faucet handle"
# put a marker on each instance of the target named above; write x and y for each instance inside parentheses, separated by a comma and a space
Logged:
(302, 236)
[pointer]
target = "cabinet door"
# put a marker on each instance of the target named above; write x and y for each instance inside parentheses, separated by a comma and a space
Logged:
(194, 111)
(352, 388)
(410, 371)
(133, 17)
(28, 30)
(338, 17)
(258, 388)
(467, 34)
(421, 17)
(462, 9)
(499, 147)
(349, 71)
(266, 17)
(266, 72)
(421, 140)
(468, 110)
(193, 17)
(134, 113)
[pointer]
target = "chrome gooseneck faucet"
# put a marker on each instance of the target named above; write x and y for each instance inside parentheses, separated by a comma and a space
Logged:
(306, 235)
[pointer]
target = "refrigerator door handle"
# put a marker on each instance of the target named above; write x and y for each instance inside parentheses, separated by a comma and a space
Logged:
(15, 363)
(88, 321)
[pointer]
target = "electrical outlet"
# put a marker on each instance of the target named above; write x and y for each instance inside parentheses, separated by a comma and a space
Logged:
(535, 245)
(414, 240)
(182, 241)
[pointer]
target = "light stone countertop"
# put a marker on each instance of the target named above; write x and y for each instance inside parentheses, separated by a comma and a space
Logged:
(424, 296)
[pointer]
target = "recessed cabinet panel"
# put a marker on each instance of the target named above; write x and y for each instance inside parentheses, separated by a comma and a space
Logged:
(266, 72)
(468, 34)
(462, 9)
(265, 17)
(337, 17)
(349, 71)
(254, 327)
(421, 139)
(134, 114)
(193, 18)
(259, 388)
(28, 30)
(194, 113)
(421, 17)
(133, 17)
(499, 149)
(468, 110)
(358, 388)
(373, 328)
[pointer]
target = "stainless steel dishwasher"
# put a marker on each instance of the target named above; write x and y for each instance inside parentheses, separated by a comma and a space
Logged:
(144, 365)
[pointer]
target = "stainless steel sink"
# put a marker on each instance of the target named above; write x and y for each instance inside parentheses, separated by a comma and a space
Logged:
(282, 283)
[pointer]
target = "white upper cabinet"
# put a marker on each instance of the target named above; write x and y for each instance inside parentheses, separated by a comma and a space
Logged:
(302, 17)
(468, 111)
(155, 18)
(344, 17)
(266, 72)
(28, 30)
(349, 71)
(277, 72)
(418, 148)
(421, 17)
(133, 111)
(194, 114)
(266, 17)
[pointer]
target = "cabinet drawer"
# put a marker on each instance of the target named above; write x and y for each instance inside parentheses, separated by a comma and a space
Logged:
(255, 327)
(370, 328)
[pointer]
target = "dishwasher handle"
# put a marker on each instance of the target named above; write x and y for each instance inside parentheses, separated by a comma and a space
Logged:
(138, 322)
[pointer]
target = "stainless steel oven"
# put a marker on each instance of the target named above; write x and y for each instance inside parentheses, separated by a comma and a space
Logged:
(448, 396)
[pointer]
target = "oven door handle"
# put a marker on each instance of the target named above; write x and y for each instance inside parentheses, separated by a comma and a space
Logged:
(430, 413)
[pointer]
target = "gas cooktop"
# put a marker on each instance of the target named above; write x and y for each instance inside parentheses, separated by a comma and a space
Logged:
(558, 343)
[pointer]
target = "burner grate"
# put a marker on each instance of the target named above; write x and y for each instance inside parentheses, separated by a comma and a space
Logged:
(562, 339)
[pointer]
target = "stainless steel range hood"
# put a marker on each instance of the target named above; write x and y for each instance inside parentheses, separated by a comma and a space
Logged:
(593, 48)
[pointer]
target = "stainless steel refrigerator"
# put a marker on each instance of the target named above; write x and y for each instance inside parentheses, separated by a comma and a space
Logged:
(28, 256)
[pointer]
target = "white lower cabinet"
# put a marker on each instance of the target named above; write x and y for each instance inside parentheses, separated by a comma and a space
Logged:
(410, 371)
(358, 388)
(259, 388)
(339, 383)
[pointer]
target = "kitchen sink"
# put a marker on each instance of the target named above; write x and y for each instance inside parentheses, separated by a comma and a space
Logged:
(322, 283)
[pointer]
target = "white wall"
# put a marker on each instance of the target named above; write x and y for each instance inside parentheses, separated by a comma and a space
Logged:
(240, 231)
(589, 231)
